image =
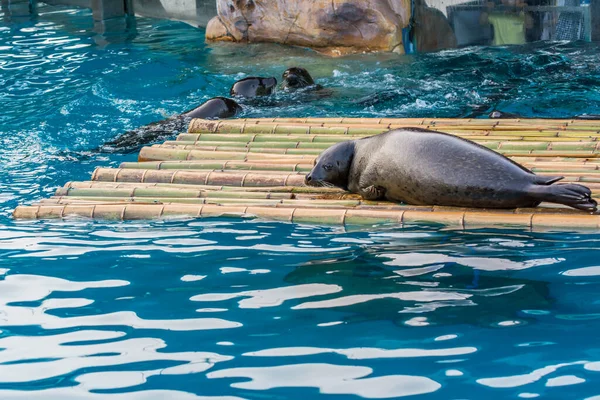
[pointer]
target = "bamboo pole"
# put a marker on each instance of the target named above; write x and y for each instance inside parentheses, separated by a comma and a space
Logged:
(238, 178)
(282, 192)
(228, 148)
(535, 159)
(264, 189)
(313, 202)
(281, 144)
(167, 191)
(424, 121)
(229, 178)
(542, 167)
(168, 154)
(199, 175)
(215, 165)
(199, 138)
(184, 193)
(459, 219)
(242, 127)
(231, 137)
(292, 144)
(298, 155)
(300, 202)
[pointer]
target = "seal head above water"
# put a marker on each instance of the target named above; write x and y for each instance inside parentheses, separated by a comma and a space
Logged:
(215, 108)
(423, 167)
(296, 78)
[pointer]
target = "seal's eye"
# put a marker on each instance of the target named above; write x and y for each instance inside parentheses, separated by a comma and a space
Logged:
(327, 167)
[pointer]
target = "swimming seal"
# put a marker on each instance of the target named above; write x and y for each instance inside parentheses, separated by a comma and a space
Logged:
(131, 141)
(423, 167)
(253, 87)
(215, 108)
(297, 78)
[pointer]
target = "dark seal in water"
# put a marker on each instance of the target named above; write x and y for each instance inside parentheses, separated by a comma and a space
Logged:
(423, 167)
(297, 78)
(215, 108)
(130, 141)
(253, 87)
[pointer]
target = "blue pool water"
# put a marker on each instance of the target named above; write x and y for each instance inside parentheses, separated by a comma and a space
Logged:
(222, 309)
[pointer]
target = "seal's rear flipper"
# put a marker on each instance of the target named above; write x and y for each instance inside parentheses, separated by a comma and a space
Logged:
(547, 180)
(570, 194)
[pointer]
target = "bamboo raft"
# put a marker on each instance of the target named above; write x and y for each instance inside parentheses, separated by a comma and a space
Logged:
(256, 168)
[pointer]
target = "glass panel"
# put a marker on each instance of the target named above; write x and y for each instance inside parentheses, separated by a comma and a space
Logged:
(504, 22)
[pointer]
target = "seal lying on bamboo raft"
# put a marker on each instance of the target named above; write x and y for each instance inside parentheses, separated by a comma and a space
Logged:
(423, 167)
(215, 108)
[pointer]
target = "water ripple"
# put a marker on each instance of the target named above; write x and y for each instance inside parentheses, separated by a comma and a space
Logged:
(330, 379)
(222, 309)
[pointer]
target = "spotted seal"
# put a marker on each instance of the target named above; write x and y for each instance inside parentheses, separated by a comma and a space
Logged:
(423, 167)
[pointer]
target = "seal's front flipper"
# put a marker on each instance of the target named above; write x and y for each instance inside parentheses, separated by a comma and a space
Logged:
(372, 193)
(570, 194)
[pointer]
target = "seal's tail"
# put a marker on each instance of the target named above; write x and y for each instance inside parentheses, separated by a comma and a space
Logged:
(570, 194)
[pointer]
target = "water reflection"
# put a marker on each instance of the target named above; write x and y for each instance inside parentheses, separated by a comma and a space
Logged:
(182, 309)
(330, 379)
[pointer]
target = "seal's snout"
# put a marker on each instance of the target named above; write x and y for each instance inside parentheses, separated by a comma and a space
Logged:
(296, 78)
(308, 179)
(292, 80)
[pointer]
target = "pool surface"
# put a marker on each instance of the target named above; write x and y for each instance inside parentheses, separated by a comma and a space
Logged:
(224, 309)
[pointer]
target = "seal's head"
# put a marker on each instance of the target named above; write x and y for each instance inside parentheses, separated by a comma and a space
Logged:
(215, 108)
(253, 87)
(296, 78)
(332, 167)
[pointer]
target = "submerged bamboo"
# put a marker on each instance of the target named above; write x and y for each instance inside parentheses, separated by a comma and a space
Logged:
(458, 219)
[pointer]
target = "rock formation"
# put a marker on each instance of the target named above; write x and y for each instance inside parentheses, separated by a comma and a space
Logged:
(432, 32)
(333, 27)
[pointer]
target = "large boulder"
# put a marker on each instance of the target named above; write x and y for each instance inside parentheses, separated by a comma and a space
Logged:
(334, 27)
(432, 32)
